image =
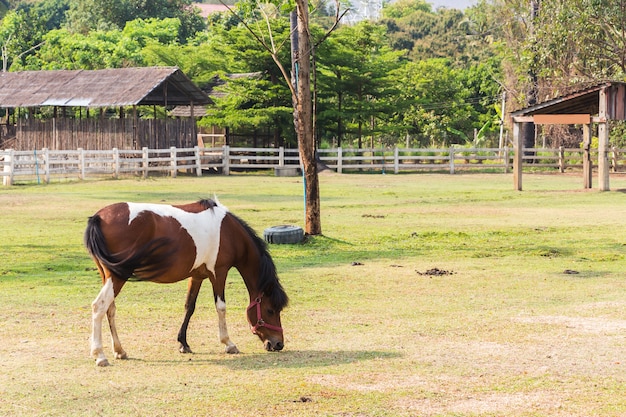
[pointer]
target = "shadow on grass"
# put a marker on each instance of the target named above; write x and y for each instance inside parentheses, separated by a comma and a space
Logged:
(277, 360)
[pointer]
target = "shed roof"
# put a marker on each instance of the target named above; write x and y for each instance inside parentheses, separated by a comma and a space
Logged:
(582, 101)
(99, 88)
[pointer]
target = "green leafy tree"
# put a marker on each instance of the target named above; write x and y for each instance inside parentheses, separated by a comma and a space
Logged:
(87, 15)
(21, 33)
(354, 83)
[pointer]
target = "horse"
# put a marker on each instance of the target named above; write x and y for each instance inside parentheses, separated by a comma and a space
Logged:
(169, 243)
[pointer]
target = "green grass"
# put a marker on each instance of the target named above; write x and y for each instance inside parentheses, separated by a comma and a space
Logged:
(506, 332)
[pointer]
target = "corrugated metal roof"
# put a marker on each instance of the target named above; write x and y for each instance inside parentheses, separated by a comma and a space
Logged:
(99, 88)
(582, 101)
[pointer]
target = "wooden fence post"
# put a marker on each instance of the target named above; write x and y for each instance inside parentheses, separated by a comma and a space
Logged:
(396, 160)
(614, 158)
(46, 164)
(173, 162)
(116, 163)
(9, 168)
(451, 156)
(339, 160)
(281, 157)
(81, 162)
(561, 159)
(506, 157)
(198, 161)
(146, 162)
(226, 160)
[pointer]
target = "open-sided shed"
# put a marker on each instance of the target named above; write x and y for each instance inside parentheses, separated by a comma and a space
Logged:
(599, 104)
(98, 89)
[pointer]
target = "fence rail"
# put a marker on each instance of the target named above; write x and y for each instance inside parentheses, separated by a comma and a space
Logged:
(42, 165)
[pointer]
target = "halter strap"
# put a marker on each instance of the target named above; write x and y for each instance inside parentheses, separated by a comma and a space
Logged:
(260, 322)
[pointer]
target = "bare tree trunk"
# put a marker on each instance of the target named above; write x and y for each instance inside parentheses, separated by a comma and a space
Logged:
(303, 120)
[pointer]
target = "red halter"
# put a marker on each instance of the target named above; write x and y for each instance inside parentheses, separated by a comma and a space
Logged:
(260, 322)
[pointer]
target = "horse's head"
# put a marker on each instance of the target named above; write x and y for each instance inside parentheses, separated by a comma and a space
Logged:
(264, 319)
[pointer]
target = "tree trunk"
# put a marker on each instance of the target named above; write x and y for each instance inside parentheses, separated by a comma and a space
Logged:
(303, 120)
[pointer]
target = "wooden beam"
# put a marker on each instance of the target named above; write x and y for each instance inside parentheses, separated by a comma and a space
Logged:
(603, 144)
(517, 157)
(587, 163)
(562, 119)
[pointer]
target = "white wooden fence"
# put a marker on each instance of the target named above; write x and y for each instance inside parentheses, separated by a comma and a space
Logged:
(42, 165)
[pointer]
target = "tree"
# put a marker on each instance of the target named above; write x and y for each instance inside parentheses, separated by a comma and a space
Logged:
(86, 15)
(299, 84)
(354, 67)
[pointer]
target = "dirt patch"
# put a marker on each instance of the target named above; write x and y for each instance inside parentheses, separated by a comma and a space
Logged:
(487, 403)
(583, 324)
(436, 272)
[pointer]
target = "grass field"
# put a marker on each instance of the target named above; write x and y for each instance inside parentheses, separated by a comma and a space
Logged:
(427, 295)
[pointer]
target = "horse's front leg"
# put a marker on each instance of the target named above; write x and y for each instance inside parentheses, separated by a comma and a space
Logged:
(220, 306)
(99, 308)
(193, 290)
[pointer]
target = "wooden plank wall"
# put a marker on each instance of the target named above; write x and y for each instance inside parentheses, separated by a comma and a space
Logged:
(95, 133)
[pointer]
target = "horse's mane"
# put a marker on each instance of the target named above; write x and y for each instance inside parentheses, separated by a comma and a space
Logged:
(268, 283)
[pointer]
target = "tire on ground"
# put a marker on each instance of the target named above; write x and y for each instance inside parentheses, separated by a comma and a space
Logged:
(283, 234)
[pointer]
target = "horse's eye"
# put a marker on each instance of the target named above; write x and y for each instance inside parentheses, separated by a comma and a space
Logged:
(270, 311)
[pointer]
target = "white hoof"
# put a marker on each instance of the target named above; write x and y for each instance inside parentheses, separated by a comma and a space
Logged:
(102, 362)
(232, 349)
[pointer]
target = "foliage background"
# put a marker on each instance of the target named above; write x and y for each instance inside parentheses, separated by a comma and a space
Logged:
(416, 77)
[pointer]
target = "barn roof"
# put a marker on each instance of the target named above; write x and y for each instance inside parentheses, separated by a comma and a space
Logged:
(99, 88)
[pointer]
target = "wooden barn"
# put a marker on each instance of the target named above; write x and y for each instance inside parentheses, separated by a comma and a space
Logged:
(101, 109)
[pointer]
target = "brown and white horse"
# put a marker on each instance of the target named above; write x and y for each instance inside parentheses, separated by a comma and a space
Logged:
(165, 244)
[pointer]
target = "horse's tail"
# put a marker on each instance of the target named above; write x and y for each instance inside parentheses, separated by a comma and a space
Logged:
(142, 263)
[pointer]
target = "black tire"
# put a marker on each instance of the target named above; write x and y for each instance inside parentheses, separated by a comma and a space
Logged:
(284, 234)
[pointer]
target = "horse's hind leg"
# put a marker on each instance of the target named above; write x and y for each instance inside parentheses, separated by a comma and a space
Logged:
(193, 289)
(117, 346)
(99, 308)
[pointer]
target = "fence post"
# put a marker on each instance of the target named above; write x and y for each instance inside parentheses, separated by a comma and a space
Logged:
(9, 165)
(116, 163)
(46, 164)
(196, 150)
(506, 159)
(145, 163)
(396, 160)
(451, 159)
(561, 159)
(81, 163)
(226, 160)
(339, 160)
(281, 157)
(614, 158)
(173, 162)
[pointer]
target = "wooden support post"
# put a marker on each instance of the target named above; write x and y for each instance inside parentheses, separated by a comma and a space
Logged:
(587, 163)
(517, 157)
(603, 144)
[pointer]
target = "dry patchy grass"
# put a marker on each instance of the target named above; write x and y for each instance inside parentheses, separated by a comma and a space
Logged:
(368, 333)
